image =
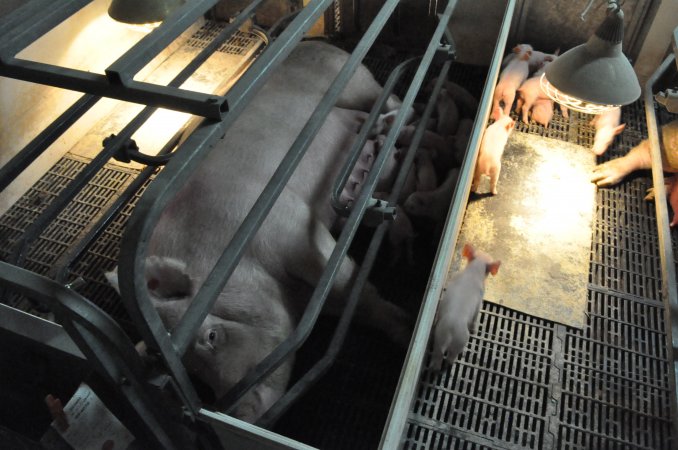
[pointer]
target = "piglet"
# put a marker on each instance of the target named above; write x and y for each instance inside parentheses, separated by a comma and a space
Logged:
(433, 204)
(607, 127)
(459, 306)
(542, 111)
(491, 150)
(448, 114)
(510, 80)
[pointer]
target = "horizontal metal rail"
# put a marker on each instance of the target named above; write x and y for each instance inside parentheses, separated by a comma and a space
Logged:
(118, 82)
(147, 212)
(409, 377)
(669, 294)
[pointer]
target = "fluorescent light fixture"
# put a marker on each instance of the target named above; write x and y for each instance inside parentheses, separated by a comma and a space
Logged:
(142, 12)
(596, 76)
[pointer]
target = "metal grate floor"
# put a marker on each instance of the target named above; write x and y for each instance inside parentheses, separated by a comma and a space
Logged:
(527, 383)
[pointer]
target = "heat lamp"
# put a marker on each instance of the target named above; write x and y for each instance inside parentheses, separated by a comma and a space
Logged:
(142, 12)
(596, 76)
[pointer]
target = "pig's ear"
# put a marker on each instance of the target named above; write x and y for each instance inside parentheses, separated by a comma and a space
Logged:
(493, 267)
(619, 129)
(468, 252)
(168, 277)
(557, 52)
(510, 124)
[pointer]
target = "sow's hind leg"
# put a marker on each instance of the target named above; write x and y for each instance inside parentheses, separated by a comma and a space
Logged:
(372, 309)
(308, 247)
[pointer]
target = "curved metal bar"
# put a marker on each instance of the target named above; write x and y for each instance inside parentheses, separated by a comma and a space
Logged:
(147, 212)
(669, 294)
(102, 341)
(355, 151)
(395, 424)
(303, 329)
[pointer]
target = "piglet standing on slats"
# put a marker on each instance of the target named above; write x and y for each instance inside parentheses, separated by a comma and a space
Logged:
(459, 306)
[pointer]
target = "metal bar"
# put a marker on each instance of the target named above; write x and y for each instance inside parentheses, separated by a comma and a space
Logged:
(354, 153)
(206, 296)
(101, 340)
(320, 367)
(418, 134)
(31, 22)
(303, 329)
(123, 70)
(669, 294)
(42, 141)
(206, 105)
(395, 424)
(147, 212)
(33, 231)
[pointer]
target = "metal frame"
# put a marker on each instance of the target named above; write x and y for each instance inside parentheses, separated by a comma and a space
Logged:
(407, 385)
(118, 81)
(85, 322)
(668, 267)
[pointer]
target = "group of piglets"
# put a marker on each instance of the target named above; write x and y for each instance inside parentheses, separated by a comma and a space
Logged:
(430, 183)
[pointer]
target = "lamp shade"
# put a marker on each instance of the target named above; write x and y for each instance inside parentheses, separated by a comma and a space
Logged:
(142, 11)
(594, 75)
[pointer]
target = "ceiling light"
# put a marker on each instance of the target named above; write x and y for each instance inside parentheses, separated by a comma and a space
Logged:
(595, 76)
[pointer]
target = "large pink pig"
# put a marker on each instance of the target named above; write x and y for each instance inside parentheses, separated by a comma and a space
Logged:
(459, 306)
(491, 150)
(269, 289)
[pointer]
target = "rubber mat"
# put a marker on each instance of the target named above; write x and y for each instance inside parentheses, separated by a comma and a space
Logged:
(538, 226)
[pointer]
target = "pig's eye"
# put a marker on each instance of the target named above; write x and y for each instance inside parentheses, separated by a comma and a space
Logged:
(212, 336)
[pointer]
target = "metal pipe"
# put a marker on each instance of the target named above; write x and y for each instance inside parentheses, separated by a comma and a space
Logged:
(21, 29)
(395, 424)
(320, 367)
(42, 141)
(669, 294)
(102, 341)
(147, 212)
(214, 283)
(205, 105)
(123, 70)
(303, 329)
(355, 151)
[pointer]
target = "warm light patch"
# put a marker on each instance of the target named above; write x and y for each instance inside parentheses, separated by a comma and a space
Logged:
(562, 198)
(572, 102)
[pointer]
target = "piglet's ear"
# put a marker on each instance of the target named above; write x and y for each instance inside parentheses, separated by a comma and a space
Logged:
(510, 124)
(493, 267)
(619, 128)
(468, 252)
(516, 49)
